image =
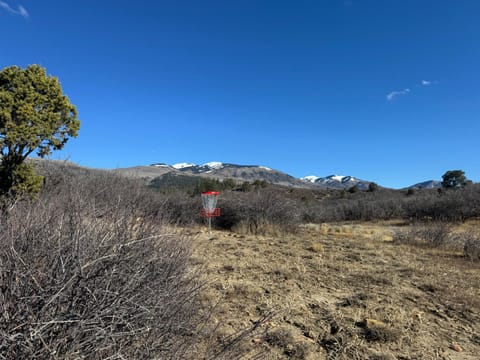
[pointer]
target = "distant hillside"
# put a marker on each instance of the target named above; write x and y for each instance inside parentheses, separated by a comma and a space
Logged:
(251, 173)
(430, 184)
(215, 170)
(241, 173)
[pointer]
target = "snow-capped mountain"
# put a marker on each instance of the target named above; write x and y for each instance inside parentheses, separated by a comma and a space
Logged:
(209, 167)
(220, 170)
(215, 169)
(337, 182)
(250, 173)
(185, 166)
(240, 172)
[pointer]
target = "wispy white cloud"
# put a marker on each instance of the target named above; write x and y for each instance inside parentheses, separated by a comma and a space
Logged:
(394, 94)
(430, 82)
(21, 11)
(424, 83)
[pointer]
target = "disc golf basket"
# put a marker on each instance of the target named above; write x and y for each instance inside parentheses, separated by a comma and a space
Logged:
(209, 210)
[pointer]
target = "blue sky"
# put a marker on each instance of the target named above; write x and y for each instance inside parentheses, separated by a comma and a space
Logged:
(384, 90)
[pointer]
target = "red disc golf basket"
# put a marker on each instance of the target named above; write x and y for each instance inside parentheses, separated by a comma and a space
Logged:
(209, 210)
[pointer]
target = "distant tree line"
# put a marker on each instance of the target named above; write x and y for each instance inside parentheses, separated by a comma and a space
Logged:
(257, 205)
(194, 185)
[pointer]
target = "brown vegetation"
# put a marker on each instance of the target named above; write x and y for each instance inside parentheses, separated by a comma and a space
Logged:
(89, 271)
(103, 267)
(361, 296)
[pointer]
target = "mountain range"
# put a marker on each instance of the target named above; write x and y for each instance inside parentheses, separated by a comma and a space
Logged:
(251, 173)
(337, 182)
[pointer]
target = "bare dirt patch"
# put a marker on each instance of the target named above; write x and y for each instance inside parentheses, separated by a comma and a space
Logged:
(341, 292)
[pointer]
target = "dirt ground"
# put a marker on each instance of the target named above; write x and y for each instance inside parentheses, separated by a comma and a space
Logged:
(342, 291)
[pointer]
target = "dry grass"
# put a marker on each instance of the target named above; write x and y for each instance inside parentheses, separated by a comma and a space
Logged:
(319, 286)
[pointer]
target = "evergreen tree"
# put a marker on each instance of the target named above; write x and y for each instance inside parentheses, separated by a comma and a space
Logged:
(454, 179)
(35, 115)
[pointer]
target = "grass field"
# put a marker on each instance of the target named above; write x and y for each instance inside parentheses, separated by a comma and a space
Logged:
(342, 291)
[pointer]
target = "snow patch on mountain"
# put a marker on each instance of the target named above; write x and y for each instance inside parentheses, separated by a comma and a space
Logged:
(336, 181)
(328, 179)
(183, 165)
(213, 165)
(336, 177)
(310, 178)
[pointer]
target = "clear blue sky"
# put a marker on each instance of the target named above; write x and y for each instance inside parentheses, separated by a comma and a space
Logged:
(384, 90)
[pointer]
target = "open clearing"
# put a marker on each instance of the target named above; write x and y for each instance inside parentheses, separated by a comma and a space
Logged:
(342, 291)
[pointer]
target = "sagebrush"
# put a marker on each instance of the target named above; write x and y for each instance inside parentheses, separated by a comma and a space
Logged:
(89, 271)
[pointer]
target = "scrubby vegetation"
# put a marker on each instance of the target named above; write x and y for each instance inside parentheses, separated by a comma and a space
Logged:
(90, 270)
(419, 205)
(260, 208)
(303, 205)
(252, 206)
(93, 268)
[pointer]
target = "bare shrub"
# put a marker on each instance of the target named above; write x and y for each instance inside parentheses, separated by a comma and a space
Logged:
(88, 272)
(435, 234)
(260, 212)
(419, 205)
(180, 208)
(106, 191)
